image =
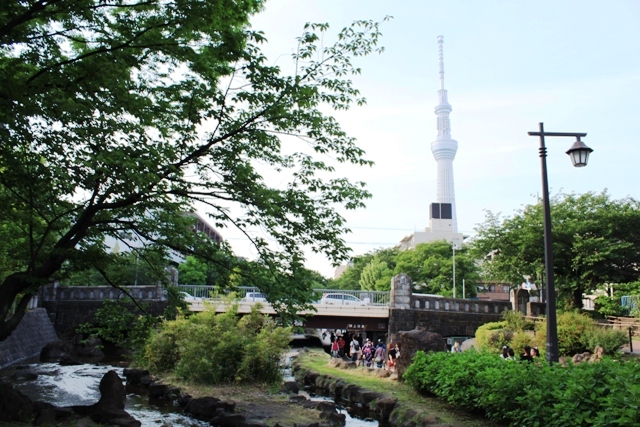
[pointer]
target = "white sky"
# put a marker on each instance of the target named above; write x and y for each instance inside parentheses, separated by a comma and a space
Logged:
(574, 65)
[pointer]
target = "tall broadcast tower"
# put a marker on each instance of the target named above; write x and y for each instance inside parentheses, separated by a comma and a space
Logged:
(444, 148)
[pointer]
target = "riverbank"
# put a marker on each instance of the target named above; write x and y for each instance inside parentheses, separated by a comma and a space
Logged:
(423, 406)
(255, 401)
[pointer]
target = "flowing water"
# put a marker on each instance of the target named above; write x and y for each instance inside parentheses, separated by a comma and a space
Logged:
(351, 419)
(79, 385)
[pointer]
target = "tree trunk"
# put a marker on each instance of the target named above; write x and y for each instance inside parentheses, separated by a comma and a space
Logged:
(577, 297)
(10, 289)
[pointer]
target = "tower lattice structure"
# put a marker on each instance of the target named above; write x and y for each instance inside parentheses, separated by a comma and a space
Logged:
(444, 148)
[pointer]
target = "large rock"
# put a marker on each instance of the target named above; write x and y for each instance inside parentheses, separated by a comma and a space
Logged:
(225, 419)
(413, 341)
(54, 351)
(14, 406)
(110, 408)
(202, 408)
(87, 350)
(112, 393)
(134, 376)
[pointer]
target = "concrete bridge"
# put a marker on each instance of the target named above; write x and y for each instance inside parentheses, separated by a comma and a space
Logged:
(379, 313)
(383, 312)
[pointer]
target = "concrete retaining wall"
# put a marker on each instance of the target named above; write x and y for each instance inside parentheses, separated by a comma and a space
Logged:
(34, 332)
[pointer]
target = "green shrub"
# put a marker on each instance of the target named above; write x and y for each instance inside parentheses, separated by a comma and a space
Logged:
(450, 376)
(212, 348)
(161, 352)
(516, 321)
(120, 323)
(610, 340)
(532, 394)
(492, 336)
(572, 327)
(608, 306)
(519, 340)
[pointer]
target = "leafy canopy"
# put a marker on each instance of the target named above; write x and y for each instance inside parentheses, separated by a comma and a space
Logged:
(430, 266)
(596, 241)
(118, 116)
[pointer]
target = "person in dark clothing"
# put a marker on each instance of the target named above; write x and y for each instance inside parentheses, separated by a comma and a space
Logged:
(526, 355)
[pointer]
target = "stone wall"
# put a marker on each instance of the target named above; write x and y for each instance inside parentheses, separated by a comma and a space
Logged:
(55, 292)
(68, 315)
(33, 333)
(445, 316)
(71, 306)
(444, 323)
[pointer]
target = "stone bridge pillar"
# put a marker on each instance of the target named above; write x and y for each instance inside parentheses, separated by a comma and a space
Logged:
(399, 299)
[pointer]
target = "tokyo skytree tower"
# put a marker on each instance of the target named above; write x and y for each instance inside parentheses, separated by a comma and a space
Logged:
(444, 148)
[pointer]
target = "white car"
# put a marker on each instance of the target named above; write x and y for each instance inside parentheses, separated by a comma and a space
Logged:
(341, 299)
(255, 297)
(189, 298)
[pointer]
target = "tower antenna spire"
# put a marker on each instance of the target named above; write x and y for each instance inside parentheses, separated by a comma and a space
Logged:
(441, 58)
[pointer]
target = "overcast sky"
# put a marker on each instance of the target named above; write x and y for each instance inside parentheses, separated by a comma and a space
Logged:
(574, 65)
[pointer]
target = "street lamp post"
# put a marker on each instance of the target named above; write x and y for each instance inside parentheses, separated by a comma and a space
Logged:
(454, 268)
(579, 154)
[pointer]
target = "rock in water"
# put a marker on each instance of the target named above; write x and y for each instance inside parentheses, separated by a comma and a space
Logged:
(110, 408)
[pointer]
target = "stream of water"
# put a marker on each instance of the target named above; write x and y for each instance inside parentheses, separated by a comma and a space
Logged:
(79, 385)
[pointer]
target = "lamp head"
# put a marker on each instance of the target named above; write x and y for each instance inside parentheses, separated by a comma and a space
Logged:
(579, 153)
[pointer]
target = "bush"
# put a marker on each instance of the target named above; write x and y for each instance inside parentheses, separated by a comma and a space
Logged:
(521, 339)
(590, 394)
(610, 340)
(608, 306)
(450, 376)
(212, 348)
(120, 323)
(515, 321)
(492, 336)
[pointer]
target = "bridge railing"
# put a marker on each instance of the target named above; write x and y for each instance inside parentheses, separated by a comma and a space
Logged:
(435, 303)
(374, 298)
(99, 293)
(201, 291)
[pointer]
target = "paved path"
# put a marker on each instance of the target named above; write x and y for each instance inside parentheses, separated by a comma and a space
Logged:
(636, 346)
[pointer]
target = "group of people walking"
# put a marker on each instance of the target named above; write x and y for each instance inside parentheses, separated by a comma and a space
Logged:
(368, 354)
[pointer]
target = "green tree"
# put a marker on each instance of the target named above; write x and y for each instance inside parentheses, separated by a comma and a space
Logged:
(376, 276)
(352, 276)
(595, 242)
(117, 116)
(192, 272)
(430, 266)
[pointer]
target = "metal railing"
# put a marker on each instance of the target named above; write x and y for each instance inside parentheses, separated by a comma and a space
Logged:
(372, 298)
(375, 298)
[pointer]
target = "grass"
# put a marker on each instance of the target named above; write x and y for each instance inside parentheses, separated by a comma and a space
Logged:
(317, 361)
